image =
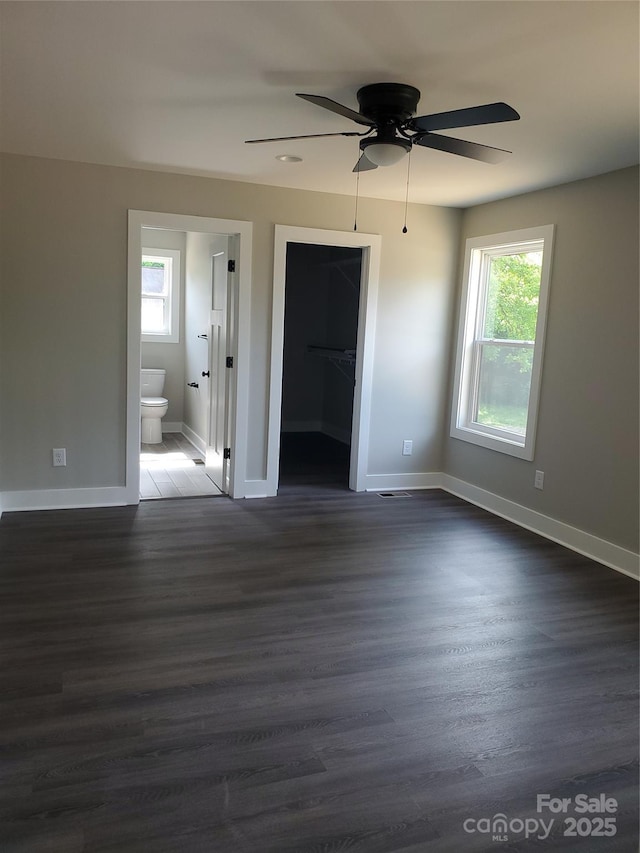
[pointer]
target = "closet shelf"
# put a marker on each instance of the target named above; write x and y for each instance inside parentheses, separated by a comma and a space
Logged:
(333, 353)
(339, 358)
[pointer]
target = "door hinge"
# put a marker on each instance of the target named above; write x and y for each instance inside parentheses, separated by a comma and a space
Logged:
(229, 361)
(231, 266)
(226, 453)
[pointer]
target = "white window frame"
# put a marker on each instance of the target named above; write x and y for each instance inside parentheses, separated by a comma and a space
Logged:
(172, 306)
(479, 251)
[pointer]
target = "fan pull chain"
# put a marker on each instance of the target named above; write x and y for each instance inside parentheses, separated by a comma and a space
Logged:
(355, 217)
(406, 198)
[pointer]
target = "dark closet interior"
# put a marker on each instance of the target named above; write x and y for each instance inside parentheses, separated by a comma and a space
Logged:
(322, 295)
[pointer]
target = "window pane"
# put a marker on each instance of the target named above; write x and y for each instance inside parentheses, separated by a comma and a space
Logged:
(513, 289)
(153, 316)
(504, 381)
(154, 277)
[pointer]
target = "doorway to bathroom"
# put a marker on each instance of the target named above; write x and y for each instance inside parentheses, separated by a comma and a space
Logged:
(185, 294)
(184, 318)
(184, 300)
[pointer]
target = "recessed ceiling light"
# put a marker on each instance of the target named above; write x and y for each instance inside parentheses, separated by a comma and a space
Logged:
(289, 158)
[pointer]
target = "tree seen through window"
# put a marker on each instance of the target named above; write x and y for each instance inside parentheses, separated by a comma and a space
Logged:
(510, 315)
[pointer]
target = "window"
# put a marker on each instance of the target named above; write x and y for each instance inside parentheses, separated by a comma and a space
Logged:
(500, 340)
(160, 295)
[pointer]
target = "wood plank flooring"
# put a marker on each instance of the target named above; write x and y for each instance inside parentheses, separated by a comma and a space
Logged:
(313, 673)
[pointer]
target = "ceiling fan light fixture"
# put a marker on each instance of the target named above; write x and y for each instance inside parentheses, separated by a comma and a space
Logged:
(387, 111)
(383, 153)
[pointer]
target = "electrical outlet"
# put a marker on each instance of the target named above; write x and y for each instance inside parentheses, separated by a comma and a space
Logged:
(59, 456)
(407, 447)
(539, 480)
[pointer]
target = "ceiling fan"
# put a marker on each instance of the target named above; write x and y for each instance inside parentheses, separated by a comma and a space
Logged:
(387, 111)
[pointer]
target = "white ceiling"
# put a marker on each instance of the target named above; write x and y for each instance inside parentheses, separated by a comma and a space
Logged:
(178, 86)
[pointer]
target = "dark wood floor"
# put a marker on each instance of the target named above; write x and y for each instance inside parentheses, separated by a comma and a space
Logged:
(313, 673)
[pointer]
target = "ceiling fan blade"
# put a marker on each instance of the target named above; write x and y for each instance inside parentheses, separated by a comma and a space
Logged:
(335, 107)
(485, 114)
(304, 136)
(460, 146)
(364, 164)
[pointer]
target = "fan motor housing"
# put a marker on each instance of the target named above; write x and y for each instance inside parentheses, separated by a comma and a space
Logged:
(383, 102)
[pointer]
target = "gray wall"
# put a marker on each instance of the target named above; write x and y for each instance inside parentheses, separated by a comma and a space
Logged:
(64, 313)
(587, 440)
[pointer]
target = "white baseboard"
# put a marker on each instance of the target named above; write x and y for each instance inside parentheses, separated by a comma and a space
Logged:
(578, 540)
(256, 489)
(64, 498)
(193, 437)
(171, 426)
(397, 482)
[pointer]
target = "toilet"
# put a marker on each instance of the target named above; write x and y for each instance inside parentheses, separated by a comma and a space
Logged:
(153, 406)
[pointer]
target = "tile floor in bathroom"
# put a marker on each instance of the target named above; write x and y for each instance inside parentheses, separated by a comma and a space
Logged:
(173, 469)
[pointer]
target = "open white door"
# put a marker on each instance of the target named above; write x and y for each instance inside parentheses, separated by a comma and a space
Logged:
(217, 462)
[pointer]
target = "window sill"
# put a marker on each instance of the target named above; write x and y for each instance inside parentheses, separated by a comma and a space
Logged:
(492, 442)
(160, 339)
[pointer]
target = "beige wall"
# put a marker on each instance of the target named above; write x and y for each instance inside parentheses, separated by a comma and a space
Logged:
(587, 441)
(64, 313)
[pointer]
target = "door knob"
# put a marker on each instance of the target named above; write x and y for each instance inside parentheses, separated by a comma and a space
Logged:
(205, 373)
